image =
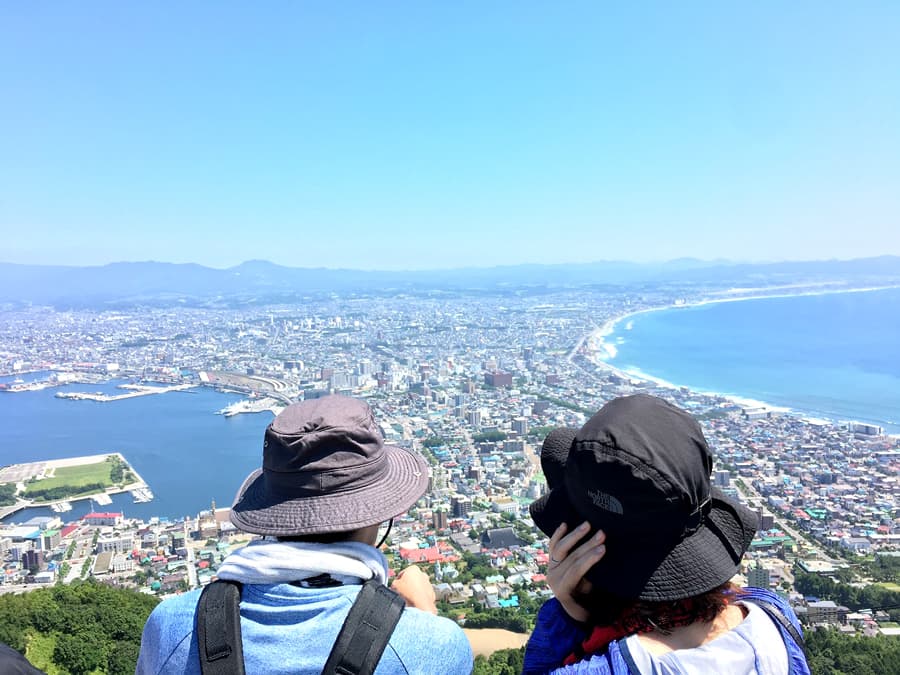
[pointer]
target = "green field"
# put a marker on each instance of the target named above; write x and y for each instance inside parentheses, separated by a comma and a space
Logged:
(72, 480)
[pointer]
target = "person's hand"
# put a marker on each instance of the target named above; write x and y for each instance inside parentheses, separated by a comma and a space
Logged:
(565, 573)
(415, 587)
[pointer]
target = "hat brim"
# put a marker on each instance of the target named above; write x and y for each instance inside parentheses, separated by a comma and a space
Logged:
(699, 563)
(256, 510)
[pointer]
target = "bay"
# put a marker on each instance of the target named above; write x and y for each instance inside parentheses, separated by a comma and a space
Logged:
(834, 356)
(188, 455)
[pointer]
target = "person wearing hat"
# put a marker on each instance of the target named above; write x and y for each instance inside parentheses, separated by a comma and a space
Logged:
(326, 484)
(642, 552)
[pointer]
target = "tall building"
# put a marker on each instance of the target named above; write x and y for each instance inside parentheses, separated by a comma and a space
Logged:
(439, 520)
(473, 417)
(758, 576)
(520, 425)
(461, 506)
(498, 378)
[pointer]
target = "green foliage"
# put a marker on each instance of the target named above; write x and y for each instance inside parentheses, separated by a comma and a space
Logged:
(853, 597)
(85, 626)
(884, 568)
(562, 403)
(49, 494)
(68, 481)
(509, 618)
(434, 442)
(79, 653)
(7, 494)
(832, 653)
(501, 662)
(540, 433)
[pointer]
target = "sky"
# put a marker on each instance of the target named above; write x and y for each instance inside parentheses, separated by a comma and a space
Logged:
(426, 135)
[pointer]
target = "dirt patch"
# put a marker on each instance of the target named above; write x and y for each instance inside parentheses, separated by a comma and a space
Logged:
(485, 641)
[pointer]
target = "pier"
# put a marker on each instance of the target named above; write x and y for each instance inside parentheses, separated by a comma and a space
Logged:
(136, 390)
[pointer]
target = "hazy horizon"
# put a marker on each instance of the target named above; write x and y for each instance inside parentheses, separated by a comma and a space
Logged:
(413, 137)
(647, 263)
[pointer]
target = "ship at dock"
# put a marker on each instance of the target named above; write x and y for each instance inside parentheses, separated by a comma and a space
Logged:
(142, 495)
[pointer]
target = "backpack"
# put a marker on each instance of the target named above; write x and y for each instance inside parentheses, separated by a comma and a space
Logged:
(357, 650)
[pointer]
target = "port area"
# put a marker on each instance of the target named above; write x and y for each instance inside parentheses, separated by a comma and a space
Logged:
(252, 405)
(134, 390)
(67, 472)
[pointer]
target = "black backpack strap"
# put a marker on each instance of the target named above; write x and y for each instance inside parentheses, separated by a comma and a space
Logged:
(219, 629)
(366, 631)
(778, 617)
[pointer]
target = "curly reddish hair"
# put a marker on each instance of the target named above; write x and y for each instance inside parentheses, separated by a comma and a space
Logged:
(642, 616)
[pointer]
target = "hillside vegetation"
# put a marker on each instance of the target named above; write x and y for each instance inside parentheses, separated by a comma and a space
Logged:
(82, 628)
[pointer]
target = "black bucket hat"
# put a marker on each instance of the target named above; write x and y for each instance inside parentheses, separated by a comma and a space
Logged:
(326, 469)
(639, 470)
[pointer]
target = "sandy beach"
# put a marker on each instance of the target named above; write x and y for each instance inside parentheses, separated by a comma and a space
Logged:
(599, 350)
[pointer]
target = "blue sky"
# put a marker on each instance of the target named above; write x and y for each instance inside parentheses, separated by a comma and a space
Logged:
(430, 135)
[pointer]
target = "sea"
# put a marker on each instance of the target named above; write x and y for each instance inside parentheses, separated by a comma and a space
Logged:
(833, 356)
(187, 454)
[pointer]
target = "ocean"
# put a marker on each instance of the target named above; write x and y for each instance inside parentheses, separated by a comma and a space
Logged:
(187, 454)
(832, 356)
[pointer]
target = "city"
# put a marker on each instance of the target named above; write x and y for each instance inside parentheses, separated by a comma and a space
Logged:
(474, 386)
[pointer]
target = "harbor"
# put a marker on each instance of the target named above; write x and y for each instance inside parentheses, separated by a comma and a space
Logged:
(35, 473)
(135, 391)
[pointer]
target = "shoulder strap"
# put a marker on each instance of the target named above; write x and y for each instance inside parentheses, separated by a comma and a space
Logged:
(219, 629)
(778, 617)
(366, 631)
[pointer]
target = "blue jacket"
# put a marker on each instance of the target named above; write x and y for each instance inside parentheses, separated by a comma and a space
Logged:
(556, 635)
(289, 629)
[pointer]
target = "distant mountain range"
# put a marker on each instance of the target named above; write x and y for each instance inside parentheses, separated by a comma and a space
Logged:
(259, 281)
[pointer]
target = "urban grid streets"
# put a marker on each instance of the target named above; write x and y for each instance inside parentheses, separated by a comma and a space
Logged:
(474, 381)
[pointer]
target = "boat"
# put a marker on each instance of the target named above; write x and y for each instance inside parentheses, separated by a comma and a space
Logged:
(142, 495)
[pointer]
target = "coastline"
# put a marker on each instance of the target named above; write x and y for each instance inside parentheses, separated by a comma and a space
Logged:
(597, 347)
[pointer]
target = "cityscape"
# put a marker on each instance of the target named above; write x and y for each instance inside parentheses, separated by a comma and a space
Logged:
(473, 383)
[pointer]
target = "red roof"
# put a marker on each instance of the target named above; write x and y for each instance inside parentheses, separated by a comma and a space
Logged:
(103, 515)
(417, 555)
(67, 530)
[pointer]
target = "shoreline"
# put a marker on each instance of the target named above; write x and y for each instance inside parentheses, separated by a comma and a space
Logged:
(597, 345)
(97, 497)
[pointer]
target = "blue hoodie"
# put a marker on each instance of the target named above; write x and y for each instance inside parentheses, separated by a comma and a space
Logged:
(290, 629)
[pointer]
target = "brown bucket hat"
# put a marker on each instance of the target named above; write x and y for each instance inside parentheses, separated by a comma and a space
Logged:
(326, 469)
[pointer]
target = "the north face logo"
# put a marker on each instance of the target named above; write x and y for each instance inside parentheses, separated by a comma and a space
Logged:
(606, 502)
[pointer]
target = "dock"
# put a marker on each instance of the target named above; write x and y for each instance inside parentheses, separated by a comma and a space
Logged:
(136, 391)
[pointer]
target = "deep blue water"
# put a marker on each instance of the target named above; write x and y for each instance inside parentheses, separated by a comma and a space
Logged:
(187, 454)
(835, 356)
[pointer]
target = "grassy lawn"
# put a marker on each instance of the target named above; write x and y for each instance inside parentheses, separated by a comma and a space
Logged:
(40, 653)
(75, 477)
(889, 585)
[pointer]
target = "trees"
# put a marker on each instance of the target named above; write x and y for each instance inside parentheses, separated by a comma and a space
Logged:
(7, 494)
(854, 597)
(90, 626)
(832, 653)
(501, 662)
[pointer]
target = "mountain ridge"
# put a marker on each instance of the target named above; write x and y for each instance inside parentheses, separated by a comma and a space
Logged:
(136, 282)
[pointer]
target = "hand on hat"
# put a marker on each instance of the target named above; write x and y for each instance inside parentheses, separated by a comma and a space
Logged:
(565, 573)
(415, 587)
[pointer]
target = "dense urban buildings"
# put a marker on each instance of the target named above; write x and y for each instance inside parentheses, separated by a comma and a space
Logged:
(474, 386)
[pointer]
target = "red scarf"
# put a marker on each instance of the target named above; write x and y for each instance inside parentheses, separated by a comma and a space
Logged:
(598, 640)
